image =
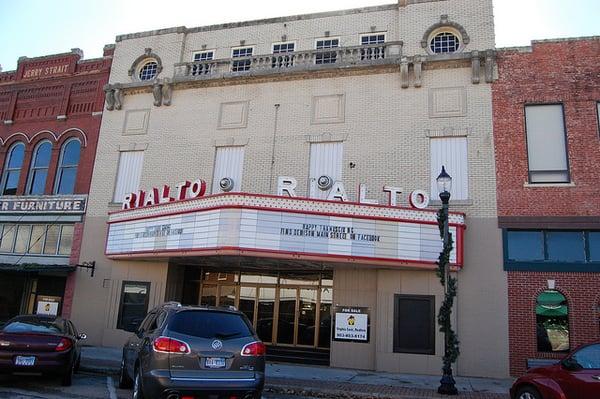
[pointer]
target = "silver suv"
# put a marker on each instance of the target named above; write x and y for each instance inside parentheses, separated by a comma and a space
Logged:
(192, 352)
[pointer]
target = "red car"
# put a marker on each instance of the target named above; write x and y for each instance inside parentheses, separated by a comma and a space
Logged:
(576, 377)
(41, 345)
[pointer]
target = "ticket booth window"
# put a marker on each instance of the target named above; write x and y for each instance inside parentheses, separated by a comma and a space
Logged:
(133, 305)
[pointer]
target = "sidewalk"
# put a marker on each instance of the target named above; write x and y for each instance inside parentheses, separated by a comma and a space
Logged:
(326, 382)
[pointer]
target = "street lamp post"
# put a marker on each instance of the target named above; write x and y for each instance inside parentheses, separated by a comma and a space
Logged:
(447, 383)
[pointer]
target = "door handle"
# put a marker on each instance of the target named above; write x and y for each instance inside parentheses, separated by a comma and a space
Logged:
(596, 377)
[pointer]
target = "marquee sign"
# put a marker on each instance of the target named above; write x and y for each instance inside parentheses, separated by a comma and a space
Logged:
(295, 228)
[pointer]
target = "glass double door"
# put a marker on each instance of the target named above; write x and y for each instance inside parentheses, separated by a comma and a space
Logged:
(281, 315)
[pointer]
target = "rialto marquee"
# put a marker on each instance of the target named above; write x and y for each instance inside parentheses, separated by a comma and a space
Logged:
(184, 221)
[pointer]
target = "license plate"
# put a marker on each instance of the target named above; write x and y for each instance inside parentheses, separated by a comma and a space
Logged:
(24, 360)
(215, 362)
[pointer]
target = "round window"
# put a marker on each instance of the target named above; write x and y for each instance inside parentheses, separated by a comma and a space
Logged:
(148, 71)
(444, 42)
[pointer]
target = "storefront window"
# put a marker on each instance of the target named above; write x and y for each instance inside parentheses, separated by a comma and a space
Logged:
(247, 302)
(209, 295)
(36, 246)
(414, 324)
(264, 318)
(8, 237)
(66, 240)
(227, 295)
(51, 240)
(133, 306)
(22, 242)
(552, 317)
(325, 317)
(594, 245)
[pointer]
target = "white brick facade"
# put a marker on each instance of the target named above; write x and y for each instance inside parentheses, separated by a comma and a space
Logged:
(385, 130)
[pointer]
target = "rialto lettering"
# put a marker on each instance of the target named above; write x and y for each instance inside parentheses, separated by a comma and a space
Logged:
(286, 187)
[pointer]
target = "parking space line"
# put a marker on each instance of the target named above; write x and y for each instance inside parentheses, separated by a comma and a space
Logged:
(112, 393)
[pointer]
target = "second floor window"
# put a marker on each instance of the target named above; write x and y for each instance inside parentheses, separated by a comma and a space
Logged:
(281, 56)
(242, 64)
(38, 171)
(546, 144)
(326, 57)
(66, 173)
(12, 169)
(202, 69)
(374, 52)
(204, 56)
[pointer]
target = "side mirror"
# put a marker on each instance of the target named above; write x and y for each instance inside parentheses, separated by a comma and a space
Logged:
(82, 336)
(570, 364)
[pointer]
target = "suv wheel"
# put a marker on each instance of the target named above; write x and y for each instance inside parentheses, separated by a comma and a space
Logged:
(137, 385)
(124, 379)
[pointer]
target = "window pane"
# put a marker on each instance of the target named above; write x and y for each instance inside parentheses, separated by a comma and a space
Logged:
(565, 246)
(38, 181)
(51, 240)
(209, 295)
(22, 243)
(525, 245)
(8, 238)
(227, 296)
(66, 240)
(36, 245)
(42, 155)
(414, 325)
(589, 357)
(71, 152)
(546, 145)
(211, 325)
(12, 182)
(16, 156)
(552, 318)
(66, 180)
(594, 244)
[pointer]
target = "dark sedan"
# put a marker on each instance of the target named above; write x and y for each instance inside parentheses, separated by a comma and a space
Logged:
(577, 376)
(40, 345)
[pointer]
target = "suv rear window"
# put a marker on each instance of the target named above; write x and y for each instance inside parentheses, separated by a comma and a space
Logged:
(209, 324)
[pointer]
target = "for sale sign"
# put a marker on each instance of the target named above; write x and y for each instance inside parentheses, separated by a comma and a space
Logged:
(351, 324)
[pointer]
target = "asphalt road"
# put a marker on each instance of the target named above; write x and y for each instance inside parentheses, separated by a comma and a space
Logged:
(85, 386)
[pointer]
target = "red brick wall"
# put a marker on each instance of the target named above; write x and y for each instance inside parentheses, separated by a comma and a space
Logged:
(566, 72)
(582, 291)
(555, 72)
(33, 105)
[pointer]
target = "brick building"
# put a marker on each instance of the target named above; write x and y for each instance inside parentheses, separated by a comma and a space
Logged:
(50, 113)
(547, 143)
(289, 120)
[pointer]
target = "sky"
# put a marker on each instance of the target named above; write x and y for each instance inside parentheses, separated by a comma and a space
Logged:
(41, 27)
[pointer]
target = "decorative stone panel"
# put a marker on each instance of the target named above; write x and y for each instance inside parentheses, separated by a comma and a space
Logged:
(445, 102)
(136, 122)
(329, 109)
(233, 115)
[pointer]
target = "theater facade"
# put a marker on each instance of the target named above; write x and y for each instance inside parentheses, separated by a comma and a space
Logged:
(287, 167)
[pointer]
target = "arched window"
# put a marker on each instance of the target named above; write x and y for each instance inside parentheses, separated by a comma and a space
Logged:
(552, 319)
(67, 167)
(12, 169)
(444, 42)
(149, 70)
(38, 171)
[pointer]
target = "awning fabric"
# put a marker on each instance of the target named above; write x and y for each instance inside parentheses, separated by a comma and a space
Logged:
(35, 267)
(552, 304)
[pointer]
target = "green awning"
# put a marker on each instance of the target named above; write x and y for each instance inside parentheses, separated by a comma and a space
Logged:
(552, 304)
(35, 267)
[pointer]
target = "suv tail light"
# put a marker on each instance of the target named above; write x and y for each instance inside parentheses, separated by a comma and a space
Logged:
(64, 345)
(170, 345)
(254, 349)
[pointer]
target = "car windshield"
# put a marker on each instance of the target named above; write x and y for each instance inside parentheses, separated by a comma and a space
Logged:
(210, 324)
(31, 325)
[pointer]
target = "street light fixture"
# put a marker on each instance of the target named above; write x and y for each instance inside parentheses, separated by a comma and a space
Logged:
(447, 383)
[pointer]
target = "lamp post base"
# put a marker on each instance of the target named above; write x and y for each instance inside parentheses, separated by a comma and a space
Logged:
(447, 385)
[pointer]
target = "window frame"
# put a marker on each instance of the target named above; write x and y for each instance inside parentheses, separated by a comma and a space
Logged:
(322, 51)
(244, 58)
(564, 117)
(550, 265)
(60, 167)
(56, 250)
(147, 284)
(141, 67)
(287, 43)
(6, 170)
(445, 29)
(432, 332)
(360, 38)
(200, 52)
(33, 168)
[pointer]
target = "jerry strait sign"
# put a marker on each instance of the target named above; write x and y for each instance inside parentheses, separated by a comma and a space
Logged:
(43, 204)
(323, 188)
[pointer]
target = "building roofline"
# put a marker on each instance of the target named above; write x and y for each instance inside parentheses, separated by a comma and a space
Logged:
(525, 49)
(230, 25)
(74, 51)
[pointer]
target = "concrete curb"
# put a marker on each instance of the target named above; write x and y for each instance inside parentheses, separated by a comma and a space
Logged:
(328, 393)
